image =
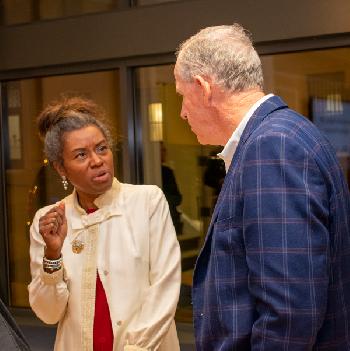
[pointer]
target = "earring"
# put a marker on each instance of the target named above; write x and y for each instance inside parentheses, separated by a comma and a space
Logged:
(64, 183)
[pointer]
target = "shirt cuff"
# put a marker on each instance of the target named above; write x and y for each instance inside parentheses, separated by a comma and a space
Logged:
(134, 348)
(52, 278)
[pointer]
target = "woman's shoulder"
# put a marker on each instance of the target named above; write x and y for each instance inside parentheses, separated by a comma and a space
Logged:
(140, 197)
(140, 189)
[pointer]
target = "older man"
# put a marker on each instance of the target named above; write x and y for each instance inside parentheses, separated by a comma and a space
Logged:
(274, 271)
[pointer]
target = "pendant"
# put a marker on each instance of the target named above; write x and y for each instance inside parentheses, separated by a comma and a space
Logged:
(77, 246)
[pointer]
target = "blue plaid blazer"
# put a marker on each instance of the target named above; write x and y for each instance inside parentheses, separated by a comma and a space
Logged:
(274, 271)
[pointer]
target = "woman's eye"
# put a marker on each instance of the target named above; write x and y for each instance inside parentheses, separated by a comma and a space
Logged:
(101, 148)
(80, 155)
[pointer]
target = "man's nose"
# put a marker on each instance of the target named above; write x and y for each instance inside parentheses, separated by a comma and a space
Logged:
(183, 113)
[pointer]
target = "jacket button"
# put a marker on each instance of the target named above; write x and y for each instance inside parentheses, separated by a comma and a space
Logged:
(105, 272)
(119, 323)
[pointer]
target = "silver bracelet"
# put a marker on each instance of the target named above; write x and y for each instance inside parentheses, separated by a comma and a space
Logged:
(52, 265)
(58, 260)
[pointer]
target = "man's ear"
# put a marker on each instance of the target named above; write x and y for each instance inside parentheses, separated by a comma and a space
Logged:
(59, 168)
(205, 85)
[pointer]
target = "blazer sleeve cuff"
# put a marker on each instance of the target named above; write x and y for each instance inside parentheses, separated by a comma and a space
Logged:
(134, 348)
(52, 278)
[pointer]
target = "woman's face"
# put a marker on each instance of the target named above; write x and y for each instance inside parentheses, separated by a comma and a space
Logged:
(87, 161)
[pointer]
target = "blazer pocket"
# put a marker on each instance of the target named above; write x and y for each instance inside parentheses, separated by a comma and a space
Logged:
(226, 224)
(227, 237)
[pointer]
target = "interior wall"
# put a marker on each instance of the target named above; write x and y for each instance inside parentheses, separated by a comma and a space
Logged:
(19, 181)
(159, 29)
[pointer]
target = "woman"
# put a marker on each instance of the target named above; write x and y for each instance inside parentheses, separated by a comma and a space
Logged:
(105, 261)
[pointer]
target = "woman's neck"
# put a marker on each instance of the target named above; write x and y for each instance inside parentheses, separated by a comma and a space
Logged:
(87, 201)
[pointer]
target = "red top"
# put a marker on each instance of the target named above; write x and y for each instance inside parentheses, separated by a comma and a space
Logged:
(103, 332)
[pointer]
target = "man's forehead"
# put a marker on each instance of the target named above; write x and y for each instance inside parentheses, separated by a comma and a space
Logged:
(177, 83)
(176, 74)
(177, 86)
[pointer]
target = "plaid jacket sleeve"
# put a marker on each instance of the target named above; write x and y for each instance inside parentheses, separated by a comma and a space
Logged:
(286, 240)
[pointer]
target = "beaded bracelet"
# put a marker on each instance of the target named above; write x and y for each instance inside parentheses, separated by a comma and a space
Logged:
(52, 265)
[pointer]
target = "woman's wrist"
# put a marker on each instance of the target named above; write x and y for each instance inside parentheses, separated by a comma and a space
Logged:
(52, 254)
(51, 266)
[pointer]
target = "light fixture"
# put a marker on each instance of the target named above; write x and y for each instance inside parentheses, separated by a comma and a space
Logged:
(155, 114)
(334, 103)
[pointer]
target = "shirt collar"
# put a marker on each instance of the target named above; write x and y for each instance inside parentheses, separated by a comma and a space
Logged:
(230, 148)
(108, 204)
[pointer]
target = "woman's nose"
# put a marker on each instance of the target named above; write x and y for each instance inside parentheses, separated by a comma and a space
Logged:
(95, 160)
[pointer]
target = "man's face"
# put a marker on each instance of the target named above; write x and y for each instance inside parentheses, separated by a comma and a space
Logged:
(198, 114)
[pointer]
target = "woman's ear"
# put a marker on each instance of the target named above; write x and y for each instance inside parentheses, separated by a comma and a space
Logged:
(206, 88)
(59, 168)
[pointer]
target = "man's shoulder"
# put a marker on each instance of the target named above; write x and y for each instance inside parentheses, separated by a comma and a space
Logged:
(285, 131)
(287, 121)
(293, 127)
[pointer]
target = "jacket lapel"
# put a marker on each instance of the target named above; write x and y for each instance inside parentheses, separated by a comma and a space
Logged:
(267, 107)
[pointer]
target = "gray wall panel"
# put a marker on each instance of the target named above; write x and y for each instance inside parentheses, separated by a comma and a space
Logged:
(159, 29)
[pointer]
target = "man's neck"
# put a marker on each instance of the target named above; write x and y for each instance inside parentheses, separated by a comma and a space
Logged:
(234, 107)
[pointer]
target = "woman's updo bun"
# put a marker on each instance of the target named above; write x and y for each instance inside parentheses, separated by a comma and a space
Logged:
(56, 110)
(66, 115)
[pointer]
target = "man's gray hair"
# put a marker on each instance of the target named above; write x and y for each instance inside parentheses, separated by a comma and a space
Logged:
(224, 54)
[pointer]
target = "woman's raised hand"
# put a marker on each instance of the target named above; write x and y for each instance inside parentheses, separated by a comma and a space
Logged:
(53, 229)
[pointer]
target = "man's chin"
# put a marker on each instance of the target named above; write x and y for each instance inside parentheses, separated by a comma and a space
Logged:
(206, 140)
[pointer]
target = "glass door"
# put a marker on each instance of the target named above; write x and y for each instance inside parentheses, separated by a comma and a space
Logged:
(31, 183)
(189, 174)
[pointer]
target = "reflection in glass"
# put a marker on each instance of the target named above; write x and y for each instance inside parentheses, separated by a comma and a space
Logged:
(316, 84)
(155, 113)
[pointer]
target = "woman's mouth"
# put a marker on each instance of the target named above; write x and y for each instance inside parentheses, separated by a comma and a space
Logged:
(101, 177)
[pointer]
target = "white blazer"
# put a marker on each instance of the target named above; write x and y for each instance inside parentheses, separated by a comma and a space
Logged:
(130, 240)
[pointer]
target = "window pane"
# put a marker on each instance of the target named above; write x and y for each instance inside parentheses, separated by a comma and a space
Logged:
(316, 84)
(189, 174)
(151, 2)
(31, 183)
(24, 11)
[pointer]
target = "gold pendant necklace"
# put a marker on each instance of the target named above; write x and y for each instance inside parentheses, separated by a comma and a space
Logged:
(77, 246)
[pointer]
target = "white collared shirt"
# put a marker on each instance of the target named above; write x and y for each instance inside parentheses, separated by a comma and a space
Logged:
(230, 148)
